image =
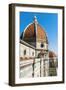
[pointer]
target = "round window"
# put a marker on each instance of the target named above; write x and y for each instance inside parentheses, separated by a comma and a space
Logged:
(42, 45)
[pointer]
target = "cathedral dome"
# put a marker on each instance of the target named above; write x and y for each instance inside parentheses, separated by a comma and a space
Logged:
(34, 30)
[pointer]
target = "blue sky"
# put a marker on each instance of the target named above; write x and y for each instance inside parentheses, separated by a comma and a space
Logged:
(49, 21)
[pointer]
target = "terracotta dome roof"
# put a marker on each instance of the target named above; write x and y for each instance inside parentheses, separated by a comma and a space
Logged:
(34, 32)
(30, 32)
(52, 54)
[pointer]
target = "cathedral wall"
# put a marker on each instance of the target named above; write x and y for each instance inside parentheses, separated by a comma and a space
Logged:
(28, 68)
(37, 52)
(37, 68)
(39, 45)
(31, 67)
(46, 55)
(26, 51)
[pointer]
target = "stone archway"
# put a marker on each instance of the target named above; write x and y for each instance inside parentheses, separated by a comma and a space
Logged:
(41, 54)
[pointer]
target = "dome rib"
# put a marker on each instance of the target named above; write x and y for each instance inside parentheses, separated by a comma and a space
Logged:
(26, 29)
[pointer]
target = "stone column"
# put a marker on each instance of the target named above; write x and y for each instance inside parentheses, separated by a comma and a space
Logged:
(46, 69)
(33, 67)
(42, 68)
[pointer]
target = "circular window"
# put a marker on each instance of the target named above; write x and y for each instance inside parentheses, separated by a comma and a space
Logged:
(42, 45)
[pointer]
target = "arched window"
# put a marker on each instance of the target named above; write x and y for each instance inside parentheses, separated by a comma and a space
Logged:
(32, 53)
(24, 52)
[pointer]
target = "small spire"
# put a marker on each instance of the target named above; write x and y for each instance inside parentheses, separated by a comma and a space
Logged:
(35, 19)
